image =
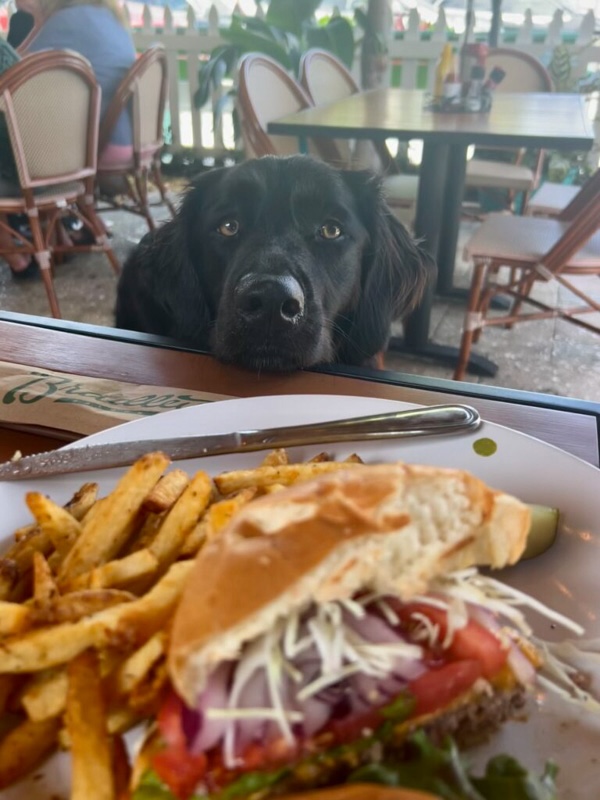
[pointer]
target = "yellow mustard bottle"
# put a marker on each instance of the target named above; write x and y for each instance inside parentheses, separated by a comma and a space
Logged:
(444, 67)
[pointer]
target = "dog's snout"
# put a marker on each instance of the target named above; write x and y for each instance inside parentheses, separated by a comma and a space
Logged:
(277, 298)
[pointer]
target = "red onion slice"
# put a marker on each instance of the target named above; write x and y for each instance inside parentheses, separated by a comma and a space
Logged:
(214, 695)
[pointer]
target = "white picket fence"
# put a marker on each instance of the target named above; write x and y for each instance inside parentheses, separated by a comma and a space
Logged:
(413, 56)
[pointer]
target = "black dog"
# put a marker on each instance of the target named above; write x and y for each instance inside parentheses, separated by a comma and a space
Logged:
(276, 264)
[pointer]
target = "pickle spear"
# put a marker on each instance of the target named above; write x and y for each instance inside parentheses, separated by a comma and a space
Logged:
(542, 531)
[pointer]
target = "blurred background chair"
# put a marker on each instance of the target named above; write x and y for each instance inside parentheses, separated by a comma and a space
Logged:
(265, 93)
(524, 73)
(143, 93)
(563, 200)
(326, 79)
(55, 144)
(511, 254)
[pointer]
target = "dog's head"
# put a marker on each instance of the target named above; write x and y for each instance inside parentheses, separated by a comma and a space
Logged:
(299, 263)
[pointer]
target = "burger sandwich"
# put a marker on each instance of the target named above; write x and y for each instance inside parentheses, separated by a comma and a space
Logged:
(331, 621)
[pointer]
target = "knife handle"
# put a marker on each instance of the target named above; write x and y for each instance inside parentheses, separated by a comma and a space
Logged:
(396, 425)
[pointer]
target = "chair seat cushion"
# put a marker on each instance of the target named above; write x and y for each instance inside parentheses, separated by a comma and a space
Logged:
(517, 239)
(499, 175)
(401, 189)
(551, 198)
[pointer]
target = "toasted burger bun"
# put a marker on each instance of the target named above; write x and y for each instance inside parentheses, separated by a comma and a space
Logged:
(363, 791)
(390, 529)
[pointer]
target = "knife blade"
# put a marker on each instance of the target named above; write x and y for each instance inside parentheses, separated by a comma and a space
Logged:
(434, 420)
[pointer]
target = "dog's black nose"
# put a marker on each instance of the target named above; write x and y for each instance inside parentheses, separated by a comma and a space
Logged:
(278, 298)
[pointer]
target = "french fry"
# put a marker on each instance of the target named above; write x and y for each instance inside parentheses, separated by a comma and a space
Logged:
(215, 518)
(195, 538)
(61, 527)
(72, 607)
(353, 458)
(121, 768)
(104, 534)
(273, 488)
(138, 665)
(86, 725)
(9, 685)
(45, 694)
(128, 623)
(229, 482)
(25, 747)
(147, 532)
(146, 696)
(82, 501)
(17, 562)
(181, 519)
(219, 514)
(167, 491)
(319, 458)
(276, 458)
(14, 618)
(44, 585)
(118, 573)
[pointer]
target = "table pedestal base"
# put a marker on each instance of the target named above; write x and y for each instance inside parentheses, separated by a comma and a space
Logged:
(444, 354)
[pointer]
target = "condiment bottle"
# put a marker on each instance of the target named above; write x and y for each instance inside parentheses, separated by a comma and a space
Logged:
(471, 55)
(444, 67)
(474, 95)
(495, 77)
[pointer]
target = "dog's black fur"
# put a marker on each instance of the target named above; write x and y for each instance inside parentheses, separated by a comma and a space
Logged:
(276, 264)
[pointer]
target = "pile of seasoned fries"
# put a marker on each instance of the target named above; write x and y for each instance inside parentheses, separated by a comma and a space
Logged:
(87, 592)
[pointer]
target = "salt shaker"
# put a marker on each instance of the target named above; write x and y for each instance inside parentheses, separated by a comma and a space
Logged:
(474, 95)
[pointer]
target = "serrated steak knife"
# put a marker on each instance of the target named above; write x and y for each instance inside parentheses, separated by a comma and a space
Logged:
(430, 421)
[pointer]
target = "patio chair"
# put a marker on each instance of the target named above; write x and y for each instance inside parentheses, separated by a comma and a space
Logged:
(523, 74)
(511, 254)
(265, 93)
(562, 200)
(326, 79)
(55, 146)
(143, 93)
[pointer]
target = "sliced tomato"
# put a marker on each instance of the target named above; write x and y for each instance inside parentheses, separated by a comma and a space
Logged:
(170, 720)
(436, 688)
(175, 765)
(180, 771)
(472, 641)
(347, 729)
(475, 641)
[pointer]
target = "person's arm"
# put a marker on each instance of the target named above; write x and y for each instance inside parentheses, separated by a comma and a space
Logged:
(20, 25)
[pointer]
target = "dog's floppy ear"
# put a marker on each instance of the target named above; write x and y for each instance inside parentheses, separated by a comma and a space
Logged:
(160, 290)
(395, 273)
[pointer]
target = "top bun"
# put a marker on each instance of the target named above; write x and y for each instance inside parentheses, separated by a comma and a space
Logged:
(389, 528)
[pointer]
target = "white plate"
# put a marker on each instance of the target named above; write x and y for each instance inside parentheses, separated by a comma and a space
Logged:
(567, 577)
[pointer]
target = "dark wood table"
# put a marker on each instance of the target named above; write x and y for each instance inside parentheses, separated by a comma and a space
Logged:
(101, 352)
(549, 120)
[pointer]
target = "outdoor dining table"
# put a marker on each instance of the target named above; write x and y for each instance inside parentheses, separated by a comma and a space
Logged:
(532, 120)
(86, 351)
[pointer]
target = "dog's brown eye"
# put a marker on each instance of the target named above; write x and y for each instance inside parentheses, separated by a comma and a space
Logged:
(330, 230)
(229, 228)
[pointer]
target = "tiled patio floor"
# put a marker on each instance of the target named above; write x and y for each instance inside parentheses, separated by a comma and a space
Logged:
(548, 356)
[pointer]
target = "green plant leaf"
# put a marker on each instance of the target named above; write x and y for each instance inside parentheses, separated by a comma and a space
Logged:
(292, 15)
(337, 37)
(212, 72)
(248, 42)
